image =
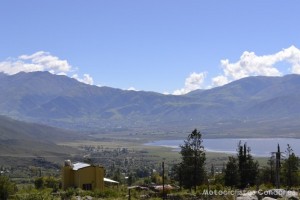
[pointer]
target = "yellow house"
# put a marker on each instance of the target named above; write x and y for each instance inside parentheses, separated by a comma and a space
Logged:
(82, 175)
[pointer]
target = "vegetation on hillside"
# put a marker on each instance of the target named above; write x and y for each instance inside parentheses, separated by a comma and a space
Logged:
(253, 105)
(143, 169)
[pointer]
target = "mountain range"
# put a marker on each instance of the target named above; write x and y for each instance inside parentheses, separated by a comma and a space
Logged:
(249, 107)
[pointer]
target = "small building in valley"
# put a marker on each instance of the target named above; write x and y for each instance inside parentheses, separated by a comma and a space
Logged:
(82, 175)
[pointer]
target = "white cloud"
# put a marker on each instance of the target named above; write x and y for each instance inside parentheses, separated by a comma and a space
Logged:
(252, 65)
(132, 89)
(41, 61)
(47, 61)
(193, 82)
(219, 80)
(87, 79)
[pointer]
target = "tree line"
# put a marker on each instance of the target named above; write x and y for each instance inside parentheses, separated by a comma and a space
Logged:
(240, 171)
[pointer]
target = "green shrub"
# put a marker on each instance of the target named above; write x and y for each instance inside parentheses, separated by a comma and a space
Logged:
(108, 193)
(34, 195)
(47, 182)
(6, 188)
(39, 183)
(70, 192)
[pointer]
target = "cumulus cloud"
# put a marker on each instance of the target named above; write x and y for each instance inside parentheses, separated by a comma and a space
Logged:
(193, 82)
(87, 79)
(219, 80)
(47, 61)
(41, 61)
(252, 65)
(249, 64)
(132, 89)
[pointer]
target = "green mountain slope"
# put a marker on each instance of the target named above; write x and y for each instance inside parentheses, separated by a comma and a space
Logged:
(27, 139)
(64, 102)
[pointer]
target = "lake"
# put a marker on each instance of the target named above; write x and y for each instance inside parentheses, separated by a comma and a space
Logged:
(260, 147)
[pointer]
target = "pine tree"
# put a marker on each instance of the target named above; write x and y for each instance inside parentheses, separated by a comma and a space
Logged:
(193, 160)
(291, 167)
(243, 170)
(242, 160)
(212, 170)
(231, 177)
(248, 168)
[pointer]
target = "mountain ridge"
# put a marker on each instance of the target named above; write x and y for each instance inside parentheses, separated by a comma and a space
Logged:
(22, 139)
(64, 102)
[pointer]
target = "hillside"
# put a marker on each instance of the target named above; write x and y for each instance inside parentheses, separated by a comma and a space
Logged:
(20, 139)
(247, 107)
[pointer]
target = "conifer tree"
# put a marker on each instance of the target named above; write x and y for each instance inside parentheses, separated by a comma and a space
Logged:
(243, 170)
(248, 168)
(193, 160)
(290, 168)
(231, 177)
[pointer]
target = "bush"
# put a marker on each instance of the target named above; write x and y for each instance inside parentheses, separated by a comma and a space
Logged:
(39, 183)
(106, 193)
(46, 182)
(6, 188)
(31, 193)
(70, 192)
(51, 182)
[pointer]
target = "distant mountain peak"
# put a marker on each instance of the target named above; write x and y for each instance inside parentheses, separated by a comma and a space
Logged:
(62, 101)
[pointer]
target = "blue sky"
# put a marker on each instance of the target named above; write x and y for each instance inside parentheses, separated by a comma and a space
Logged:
(159, 45)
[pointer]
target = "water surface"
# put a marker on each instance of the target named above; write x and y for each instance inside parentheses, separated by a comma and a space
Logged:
(261, 147)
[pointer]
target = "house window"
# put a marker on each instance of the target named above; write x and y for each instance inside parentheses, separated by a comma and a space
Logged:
(87, 186)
